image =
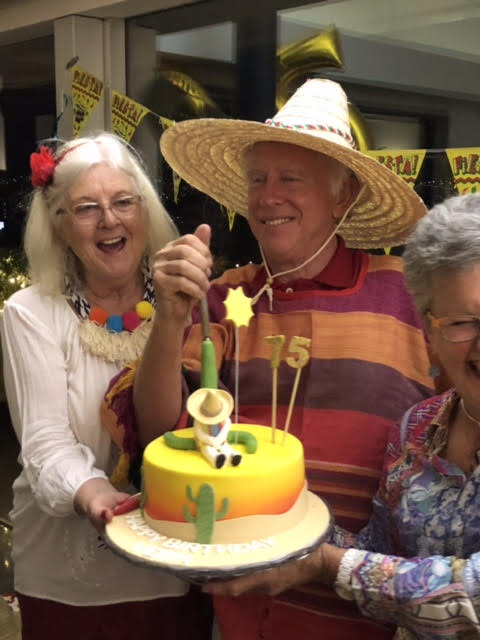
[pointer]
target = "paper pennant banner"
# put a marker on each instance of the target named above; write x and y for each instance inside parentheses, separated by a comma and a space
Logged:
(406, 163)
(86, 93)
(465, 167)
(165, 122)
(231, 216)
(126, 115)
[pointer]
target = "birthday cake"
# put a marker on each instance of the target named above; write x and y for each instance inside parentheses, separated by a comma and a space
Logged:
(202, 522)
(219, 500)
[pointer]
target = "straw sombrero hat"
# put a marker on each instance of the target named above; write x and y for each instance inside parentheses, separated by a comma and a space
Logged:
(208, 153)
(210, 406)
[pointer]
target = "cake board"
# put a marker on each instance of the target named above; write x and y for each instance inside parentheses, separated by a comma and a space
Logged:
(132, 538)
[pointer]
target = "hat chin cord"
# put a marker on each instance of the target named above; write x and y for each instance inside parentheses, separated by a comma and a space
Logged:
(267, 287)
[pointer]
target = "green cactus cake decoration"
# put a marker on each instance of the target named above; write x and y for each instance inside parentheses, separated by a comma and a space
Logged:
(206, 516)
(175, 442)
(243, 437)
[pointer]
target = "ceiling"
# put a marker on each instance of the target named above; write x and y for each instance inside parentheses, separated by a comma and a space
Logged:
(439, 26)
(448, 27)
(27, 57)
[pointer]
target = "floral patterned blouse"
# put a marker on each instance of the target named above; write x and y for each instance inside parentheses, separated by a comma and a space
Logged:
(426, 513)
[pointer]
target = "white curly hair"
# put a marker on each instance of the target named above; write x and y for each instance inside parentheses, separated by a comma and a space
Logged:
(50, 260)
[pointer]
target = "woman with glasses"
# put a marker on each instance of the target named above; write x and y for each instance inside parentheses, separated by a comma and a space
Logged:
(417, 563)
(94, 221)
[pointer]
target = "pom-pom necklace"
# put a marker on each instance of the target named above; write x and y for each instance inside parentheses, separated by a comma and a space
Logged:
(129, 321)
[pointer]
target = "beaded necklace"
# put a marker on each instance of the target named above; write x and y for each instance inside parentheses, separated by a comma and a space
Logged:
(115, 338)
(83, 308)
(129, 321)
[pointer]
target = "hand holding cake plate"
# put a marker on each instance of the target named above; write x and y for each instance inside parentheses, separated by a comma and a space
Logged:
(222, 500)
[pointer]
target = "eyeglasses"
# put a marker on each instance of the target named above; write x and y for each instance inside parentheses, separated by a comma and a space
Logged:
(456, 328)
(90, 212)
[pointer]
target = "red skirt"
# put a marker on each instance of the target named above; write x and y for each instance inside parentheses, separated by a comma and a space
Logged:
(179, 618)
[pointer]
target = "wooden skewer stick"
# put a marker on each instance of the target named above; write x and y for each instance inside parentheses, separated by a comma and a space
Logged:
(204, 317)
(239, 311)
(237, 373)
(274, 401)
(300, 347)
(292, 403)
(277, 343)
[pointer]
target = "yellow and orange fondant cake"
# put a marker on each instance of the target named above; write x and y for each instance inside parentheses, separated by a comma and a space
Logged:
(200, 521)
(257, 497)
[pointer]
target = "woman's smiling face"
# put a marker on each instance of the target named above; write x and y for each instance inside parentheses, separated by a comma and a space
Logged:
(458, 293)
(109, 248)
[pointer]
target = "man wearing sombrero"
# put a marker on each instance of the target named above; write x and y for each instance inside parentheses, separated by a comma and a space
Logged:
(308, 195)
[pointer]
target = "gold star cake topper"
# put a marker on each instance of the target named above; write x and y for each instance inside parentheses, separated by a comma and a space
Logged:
(239, 307)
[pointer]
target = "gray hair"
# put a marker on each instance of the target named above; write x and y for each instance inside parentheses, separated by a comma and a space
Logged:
(446, 239)
(339, 174)
(50, 260)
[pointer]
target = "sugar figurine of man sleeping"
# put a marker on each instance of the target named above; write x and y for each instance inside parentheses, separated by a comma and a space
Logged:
(211, 409)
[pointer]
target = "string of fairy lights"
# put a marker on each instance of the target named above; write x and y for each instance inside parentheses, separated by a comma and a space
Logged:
(13, 273)
(14, 196)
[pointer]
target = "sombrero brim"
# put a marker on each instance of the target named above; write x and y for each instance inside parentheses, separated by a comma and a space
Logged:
(208, 154)
(146, 548)
(195, 400)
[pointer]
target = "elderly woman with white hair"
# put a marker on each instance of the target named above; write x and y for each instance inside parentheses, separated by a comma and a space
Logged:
(94, 221)
(426, 511)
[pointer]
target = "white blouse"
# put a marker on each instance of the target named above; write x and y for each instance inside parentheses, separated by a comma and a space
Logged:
(54, 390)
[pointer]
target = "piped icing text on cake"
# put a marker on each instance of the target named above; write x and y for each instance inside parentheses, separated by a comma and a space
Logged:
(160, 547)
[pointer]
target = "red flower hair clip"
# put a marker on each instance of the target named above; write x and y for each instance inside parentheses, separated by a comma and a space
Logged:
(42, 165)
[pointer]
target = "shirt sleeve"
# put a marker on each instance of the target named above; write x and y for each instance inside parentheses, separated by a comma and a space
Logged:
(427, 596)
(56, 464)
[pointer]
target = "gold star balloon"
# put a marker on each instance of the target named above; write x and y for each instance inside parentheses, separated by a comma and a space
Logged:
(239, 307)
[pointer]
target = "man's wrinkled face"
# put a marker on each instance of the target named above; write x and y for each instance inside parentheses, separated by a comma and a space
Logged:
(291, 204)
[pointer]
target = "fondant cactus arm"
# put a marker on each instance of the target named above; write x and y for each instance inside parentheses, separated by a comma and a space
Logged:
(187, 515)
(223, 509)
(245, 438)
(175, 442)
(186, 512)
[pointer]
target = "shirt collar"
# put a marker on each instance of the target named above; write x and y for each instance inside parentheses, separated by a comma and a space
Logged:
(340, 273)
(437, 433)
(342, 270)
